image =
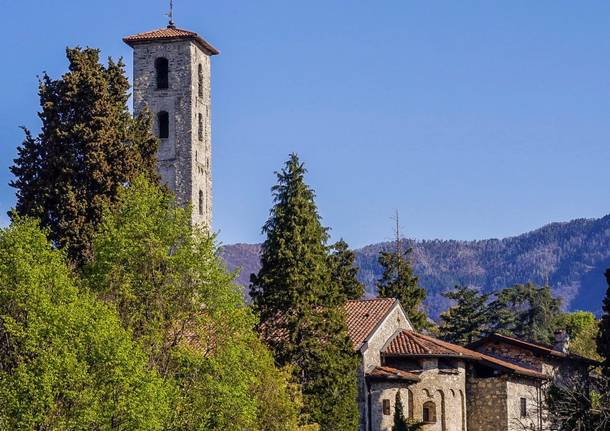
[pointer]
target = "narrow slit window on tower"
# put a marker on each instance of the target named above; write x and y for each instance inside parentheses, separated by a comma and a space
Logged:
(200, 127)
(162, 70)
(163, 120)
(201, 203)
(200, 80)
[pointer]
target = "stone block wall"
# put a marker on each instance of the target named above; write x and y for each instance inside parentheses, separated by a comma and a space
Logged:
(380, 391)
(487, 403)
(443, 388)
(184, 160)
(514, 354)
(527, 389)
(371, 356)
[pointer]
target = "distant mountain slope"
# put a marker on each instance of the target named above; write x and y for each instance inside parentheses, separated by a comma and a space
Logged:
(573, 255)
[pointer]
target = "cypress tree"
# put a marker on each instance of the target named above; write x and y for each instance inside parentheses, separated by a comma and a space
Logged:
(398, 281)
(89, 146)
(345, 272)
(464, 322)
(400, 422)
(297, 304)
(603, 338)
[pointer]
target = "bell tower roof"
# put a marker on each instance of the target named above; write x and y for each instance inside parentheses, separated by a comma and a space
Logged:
(169, 34)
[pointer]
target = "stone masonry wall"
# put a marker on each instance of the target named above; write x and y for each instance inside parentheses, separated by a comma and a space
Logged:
(184, 161)
(514, 354)
(381, 391)
(486, 404)
(371, 356)
(516, 390)
(444, 388)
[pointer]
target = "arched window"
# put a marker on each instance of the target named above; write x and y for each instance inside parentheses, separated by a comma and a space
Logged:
(200, 80)
(201, 202)
(162, 70)
(429, 413)
(463, 410)
(163, 121)
(200, 127)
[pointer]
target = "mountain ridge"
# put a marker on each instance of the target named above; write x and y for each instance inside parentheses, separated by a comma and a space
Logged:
(571, 255)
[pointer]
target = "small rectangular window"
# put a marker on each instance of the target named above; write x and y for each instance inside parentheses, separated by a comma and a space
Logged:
(200, 127)
(523, 407)
(386, 407)
(163, 120)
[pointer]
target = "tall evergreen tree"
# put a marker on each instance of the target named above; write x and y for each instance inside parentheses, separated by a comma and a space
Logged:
(400, 422)
(89, 146)
(297, 302)
(345, 272)
(603, 339)
(465, 321)
(398, 281)
(527, 311)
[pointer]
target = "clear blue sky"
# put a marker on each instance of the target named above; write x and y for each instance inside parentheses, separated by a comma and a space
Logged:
(474, 119)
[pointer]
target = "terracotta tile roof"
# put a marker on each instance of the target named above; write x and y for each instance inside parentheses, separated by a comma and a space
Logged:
(544, 349)
(411, 343)
(388, 373)
(364, 316)
(512, 367)
(169, 33)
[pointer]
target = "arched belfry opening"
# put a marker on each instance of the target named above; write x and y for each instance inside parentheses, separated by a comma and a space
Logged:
(162, 73)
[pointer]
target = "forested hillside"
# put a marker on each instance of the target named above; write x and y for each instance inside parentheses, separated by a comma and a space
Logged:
(572, 256)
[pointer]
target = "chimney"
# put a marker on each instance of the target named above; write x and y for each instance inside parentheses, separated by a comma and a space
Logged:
(562, 341)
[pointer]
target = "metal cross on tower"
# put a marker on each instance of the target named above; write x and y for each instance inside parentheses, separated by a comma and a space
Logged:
(170, 14)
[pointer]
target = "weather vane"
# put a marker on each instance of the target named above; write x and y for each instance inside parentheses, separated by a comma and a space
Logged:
(170, 14)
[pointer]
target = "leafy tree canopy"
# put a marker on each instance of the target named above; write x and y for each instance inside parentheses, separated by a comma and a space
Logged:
(345, 272)
(88, 148)
(65, 360)
(603, 339)
(398, 281)
(528, 312)
(468, 319)
(583, 328)
(173, 293)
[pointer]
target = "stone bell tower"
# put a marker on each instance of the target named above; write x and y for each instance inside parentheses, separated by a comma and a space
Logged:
(172, 77)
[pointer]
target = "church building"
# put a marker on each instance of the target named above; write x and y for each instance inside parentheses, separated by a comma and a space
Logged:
(496, 384)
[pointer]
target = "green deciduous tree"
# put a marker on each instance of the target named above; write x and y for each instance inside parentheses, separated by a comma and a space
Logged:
(65, 361)
(528, 312)
(583, 328)
(603, 339)
(468, 318)
(172, 291)
(399, 281)
(88, 148)
(344, 271)
(298, 304)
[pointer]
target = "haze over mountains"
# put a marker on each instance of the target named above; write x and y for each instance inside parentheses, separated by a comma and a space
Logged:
(572, 256)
